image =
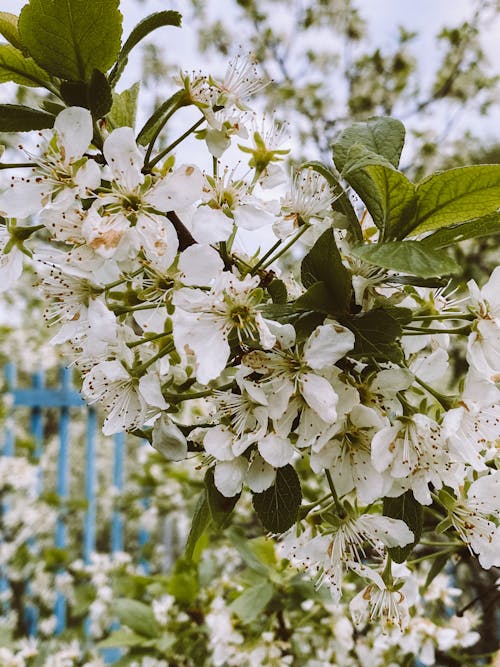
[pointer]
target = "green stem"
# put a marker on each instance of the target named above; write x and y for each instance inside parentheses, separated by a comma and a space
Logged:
(136, 343)
(178, 398)
(16, 165)
(175, 143)
(142, 367)
(434, 554)
(336, 500)
(125, 279)
(447, 402)
(430, 318)
(408, 331)
(285, 247)
(264, 257)
(121, 310)
(147, 164)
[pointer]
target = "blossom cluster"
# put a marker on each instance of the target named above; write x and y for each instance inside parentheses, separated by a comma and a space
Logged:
(185, 337)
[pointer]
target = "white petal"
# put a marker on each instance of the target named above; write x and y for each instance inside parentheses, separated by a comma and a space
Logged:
(169, 440)
(319, 395)
(124, 158)
(74, 131)
(392, 532)
(23, 199)
(229, 476)
(260, 475)
(383, 447)
(327, 344)
(150, 389)
(277, 451)
(199, 265)
(218, 442)
(177, 190)
(251, 217)
(210, 225)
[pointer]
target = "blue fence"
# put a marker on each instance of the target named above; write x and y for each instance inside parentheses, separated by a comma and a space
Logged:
(37, 400)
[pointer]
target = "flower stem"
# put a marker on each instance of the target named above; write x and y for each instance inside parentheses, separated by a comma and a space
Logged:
(445, 401)
(16, 165)
(336, 500)
(285, 248)
(175, 143)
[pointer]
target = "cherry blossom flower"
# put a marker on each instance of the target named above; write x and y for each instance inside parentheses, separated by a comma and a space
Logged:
(61, 171)
(204, 320)
(327, 555)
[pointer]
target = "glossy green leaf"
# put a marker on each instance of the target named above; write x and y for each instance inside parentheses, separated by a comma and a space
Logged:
(408, 257)
(122, 638)
(457, 196)
(200, 522)
(9, 29)
(278, 506)
(18, 118)
(318, 299)
(488, 225)
(277, 291)
(14, 66)
(407, 509)
(324, 264)
(141, 30)
(248, 554)
(124, 108)
(99, 95)
(157, 119)
(438, 564)
(136, 615)
(71, 38)
(382, 135)
(250, 604)
(388, 195)
(74, 93)
(219, 506)
(183, 584)
(376, 333)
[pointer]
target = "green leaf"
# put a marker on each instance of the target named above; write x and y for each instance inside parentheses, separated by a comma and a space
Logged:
(407, 509)
(9, 29)
(277, 291)
(124, 108)
(74, 93)
(247, 553)
(382, 135)
(121, 638)
(278, 506)
(438, 564)
(99, 95)
(389, 197)
(200, 522)
(488, 225)
(408, 257)
(318, 299)
(157, 119)
(18, 118)
(24, 71)
(324, 264)
(71, 38)
(456, 196)
(137, 616)
(376, 334)
(141, 30)
(220, 507)
(250, 604)
(183, 584)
